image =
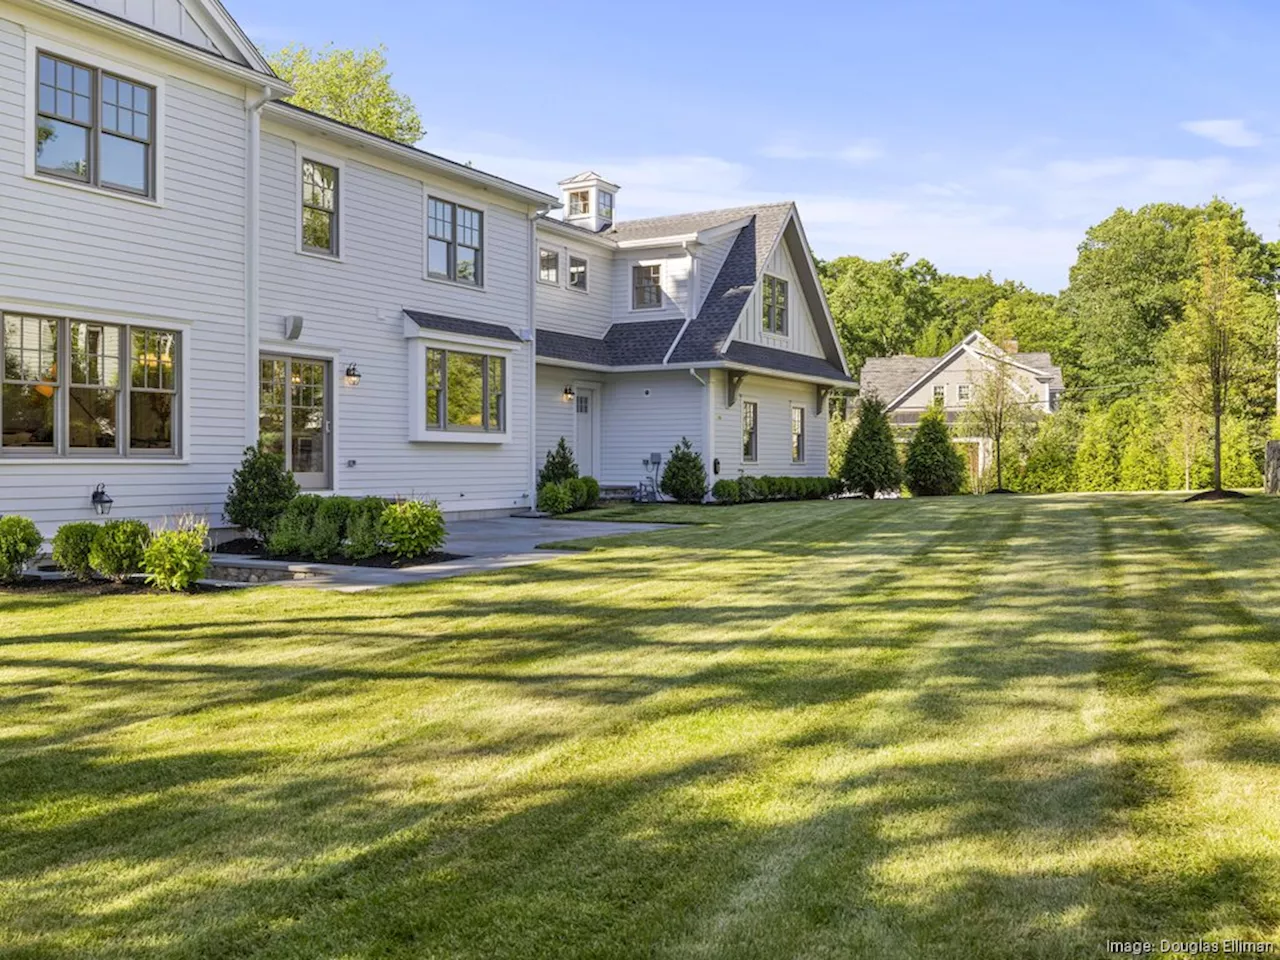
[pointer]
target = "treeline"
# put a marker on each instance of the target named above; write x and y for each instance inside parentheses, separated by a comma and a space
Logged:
(1136, 413)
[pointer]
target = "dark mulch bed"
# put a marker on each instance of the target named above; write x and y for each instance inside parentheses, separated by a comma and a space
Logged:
(1216, 495)
(247, 547)
(97, 588)
(1000, 490)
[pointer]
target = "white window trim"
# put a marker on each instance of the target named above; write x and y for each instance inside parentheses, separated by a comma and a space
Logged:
(303, 152)
(187, 331)
(333, 356)
(933, 395)
(561, 259)
(744, 400)
(433, 340)
(587, 261)
(961, 387)
(664, 300)
(429, 193)
(35, 44)
(773, 334)
(804, 436)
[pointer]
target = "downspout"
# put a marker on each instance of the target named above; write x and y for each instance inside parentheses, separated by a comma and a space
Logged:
(708, 426)
(252, 293)
(532, 493)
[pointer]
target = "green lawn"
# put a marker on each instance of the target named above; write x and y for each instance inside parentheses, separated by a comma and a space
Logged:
(967, 728)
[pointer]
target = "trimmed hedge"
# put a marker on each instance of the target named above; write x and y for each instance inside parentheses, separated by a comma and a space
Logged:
(71, 546)
(757, 489)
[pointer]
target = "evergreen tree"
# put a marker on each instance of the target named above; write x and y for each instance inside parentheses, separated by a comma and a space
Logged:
(1051, 461)
(1239, 467)
(1143, 456)
(1096, 466)
(871, 462)
(934, 467)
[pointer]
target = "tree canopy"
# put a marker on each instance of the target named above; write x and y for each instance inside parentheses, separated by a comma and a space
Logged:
(350, 86)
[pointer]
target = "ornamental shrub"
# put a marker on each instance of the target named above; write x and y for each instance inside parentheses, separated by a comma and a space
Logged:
(577, 492)
(363, 540)
(684, 477)
(119, 548)
(260, 492)
(292, 532)
(560, 465)
(725, 491)
(593, 491)
(328, 528)
(71, 546)
(175, 559)
(20, 542)
(748, 489)
(412, 528)
(764, 488)
(934, 467)
(555, 499)
(871, 462)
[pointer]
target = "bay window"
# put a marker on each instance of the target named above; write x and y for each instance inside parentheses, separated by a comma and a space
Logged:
(81, 388)
(465, 391)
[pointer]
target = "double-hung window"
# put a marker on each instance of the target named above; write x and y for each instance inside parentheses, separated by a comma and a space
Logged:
(319, 207)
(549, 266)
(750, 431)
(579, 203)
(775, 305)
(939, 393)
(466, 391)
(80, 388)
(646, 286)
(455, 242)
(94, 127)
(578, 273)
(797, 434)
(964, 392)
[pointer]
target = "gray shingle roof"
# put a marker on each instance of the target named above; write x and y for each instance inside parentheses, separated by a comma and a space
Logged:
(654, 228)
(468, 328)
(754, 355)
(1044, 363)
(554, 345)
(641, 343)
(886, 377)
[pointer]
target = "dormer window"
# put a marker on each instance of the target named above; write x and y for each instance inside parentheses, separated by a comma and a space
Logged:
(646, 286)
(606, 205)
(580, 203)
(775, 305)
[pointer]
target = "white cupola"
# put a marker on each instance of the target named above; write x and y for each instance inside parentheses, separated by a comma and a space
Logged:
(588, 200)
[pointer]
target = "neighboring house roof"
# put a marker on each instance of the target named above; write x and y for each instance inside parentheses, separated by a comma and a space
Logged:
(467, 328)
(893, 379)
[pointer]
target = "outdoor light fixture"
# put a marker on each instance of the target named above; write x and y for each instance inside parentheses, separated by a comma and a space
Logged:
(568, 393)
(101, 502)
(353, 375)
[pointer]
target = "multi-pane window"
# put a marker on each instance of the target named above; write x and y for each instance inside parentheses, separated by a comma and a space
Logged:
(775, 305)
(579, 203)
(577, 273)
(75, 387)
(94, 127)
(646, 286)
(454, 242)
(548, 266)
(797, 434)
(964, 392)
(939, 393)
(606, 204)
(319, 207)
(750, 431)
(465, 391)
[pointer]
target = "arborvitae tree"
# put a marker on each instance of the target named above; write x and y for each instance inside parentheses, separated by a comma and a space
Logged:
(1051, 462)
(934, 467)
(1239, 467)
(871, 462)
(559, 466)
(1096, 464)
(1143, 456)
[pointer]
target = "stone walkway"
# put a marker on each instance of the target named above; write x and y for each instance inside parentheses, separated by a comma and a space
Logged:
(495, 544)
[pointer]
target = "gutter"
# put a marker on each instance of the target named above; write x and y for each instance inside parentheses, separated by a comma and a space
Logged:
(252, 267)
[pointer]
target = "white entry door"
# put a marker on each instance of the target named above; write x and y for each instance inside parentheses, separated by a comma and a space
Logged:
(584, 443)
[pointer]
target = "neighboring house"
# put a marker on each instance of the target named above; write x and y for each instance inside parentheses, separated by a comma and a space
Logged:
(909, 385)
(711, 326)
(189, 266)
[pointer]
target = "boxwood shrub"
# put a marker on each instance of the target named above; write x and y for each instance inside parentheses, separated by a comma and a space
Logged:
(20, 542)
(753, 489)
(119, 548)
(412, 528)
(71, 546)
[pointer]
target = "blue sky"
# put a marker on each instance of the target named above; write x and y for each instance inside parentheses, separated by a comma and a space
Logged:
(981, 135)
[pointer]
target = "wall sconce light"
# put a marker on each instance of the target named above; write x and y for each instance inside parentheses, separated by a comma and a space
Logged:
(568, 393)
(352, 376)
(101, 502)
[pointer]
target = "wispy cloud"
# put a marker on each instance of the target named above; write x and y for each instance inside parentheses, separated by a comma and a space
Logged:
(1229, 133)
(790, 148)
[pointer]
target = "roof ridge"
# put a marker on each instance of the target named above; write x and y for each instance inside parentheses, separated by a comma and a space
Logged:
(707, 213)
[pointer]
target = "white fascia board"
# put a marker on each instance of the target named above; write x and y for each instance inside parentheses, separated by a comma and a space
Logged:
(158, 41)
(293, 116)
(826, 308)
(227, 24)
(676, 240)
(712, 365)
(566, 230)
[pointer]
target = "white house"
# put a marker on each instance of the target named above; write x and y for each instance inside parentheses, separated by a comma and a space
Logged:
(910, 385)
(190, 266)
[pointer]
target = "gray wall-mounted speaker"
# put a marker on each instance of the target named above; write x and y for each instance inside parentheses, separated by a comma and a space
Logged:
(293, 327)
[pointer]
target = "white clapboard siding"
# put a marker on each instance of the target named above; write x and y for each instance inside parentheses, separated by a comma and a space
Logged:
(65, 251)
(352, 307)
(711, 258)
(774, 399)
(568, 310)
(801, 336)
(634, 425)
(555, 414)
(675, 284)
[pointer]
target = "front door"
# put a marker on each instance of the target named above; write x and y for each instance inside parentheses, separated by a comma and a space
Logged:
(584, 446)
(294, 418)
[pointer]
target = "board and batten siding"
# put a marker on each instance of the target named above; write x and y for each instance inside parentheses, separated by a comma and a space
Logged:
(68, 252)
(636, 424)
(801, 336)
(774, 399)
(352, 310)
(567, 310)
